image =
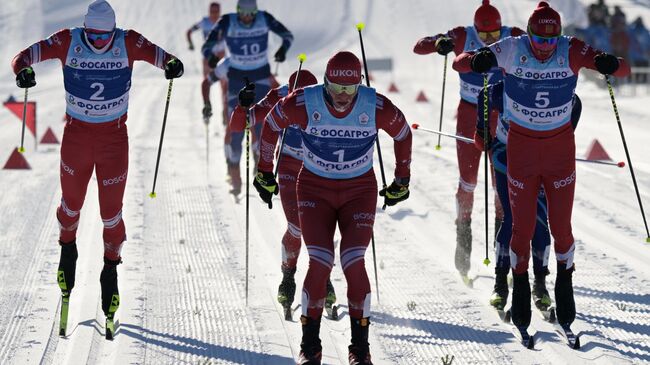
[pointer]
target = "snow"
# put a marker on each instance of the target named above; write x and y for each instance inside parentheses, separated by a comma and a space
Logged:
(183, 278)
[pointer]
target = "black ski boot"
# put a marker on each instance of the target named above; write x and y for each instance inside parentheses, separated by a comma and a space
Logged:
(521, 300)
(310, 347)
(287, 291)
(65, 277)
(499, 296)
(207, 112)
(540, 295)
(463, 249)
(110, 294)
(564, 301)
(359, 350)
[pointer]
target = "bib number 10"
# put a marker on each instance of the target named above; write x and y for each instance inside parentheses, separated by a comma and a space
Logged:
(250, 49)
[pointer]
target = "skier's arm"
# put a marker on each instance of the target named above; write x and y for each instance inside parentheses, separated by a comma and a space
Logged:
(278, 28)
(427, 45)
(289, 110)
(140, 49)
(502, 51)
(392, 120)
(53, 47)
(257, 112)
(189, 34)
(216, 35)
(582, 55)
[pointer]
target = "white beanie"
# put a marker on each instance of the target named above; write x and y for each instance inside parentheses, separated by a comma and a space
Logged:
(100, 16)
(247, 4)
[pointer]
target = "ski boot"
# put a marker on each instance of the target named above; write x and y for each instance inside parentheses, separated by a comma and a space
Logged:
(359, 350)
(564, 301)
(310, 347)
(207, 112)
(65, 278)
(463, 249)
(287, 291)
(235, 178)
(331, 309)
(499, 296)
(110, 294)
(521, 300)
(541, 297)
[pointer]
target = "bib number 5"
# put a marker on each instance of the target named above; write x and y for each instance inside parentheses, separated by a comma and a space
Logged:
(542, 100)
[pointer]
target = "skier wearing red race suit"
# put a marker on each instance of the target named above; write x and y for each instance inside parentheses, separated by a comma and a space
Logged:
(339, 121)
(290, 165)
(487, 29)
(541, 70)
(97, 62)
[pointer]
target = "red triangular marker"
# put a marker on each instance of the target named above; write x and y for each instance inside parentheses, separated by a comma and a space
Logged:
(49, 137)
(16, 107)
(16, 161)
(393, 88)
(422, 98)
(597, 152)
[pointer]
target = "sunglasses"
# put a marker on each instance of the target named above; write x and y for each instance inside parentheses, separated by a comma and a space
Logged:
(340, 89)
(99, 36)
(494, 34)
(551, 41)
(246, 12)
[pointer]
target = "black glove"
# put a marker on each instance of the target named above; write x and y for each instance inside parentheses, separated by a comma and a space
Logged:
(213, 60)
(396, 192)
(281, 54)
(191, 46)
(444, 45)
(483, 61)
(606, 63)
(266, 186)
(174, 69)
(26, 78)
(247, 95)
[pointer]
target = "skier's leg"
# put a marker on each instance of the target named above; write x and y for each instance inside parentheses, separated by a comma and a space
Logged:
(500, 293)
(287, 177)
(541, 252)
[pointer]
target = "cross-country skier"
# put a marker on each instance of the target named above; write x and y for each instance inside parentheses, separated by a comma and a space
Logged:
(290, 165)
(541, 70)
(97, 63)
(246, 36)
(541, 239)
(486, 30)
(205, 25)
(339, 120)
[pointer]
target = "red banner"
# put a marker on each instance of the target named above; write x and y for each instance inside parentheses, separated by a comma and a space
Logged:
(16, 107)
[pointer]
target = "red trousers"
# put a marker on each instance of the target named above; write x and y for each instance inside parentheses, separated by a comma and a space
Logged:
(469, 158)
(287, 178)
(102, 147)
(322, 205)
(541, 159)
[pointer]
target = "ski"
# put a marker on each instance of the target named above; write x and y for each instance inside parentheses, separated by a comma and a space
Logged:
(547, 314)
(571, 339)
(528, 341)
(468, 281)
(289, 311)
(505, 315)
(110, 327)
(63, 321)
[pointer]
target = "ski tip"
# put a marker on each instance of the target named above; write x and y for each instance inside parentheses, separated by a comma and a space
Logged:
(360, 26)
(438, 147)
(621, 164)
(302, 57)
(415, 126)
(152, 195)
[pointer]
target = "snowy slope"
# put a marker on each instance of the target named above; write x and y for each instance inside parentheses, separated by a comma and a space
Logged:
(182, 281)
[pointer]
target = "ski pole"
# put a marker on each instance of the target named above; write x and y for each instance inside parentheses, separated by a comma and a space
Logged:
(360, 27)
(162, 134)
(627, 155)
(301, 58)
(619, 164)
(486, 130)
(248, 176)
(22, 134)
(442, 102)
(460, 138)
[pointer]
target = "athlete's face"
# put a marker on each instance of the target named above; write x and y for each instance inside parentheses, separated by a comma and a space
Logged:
(215, 13)
(246, 16)
(489, 37)
(99, 38)
(342, 95)
(543, 47)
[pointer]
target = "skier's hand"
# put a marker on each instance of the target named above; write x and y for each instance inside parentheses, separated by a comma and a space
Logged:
(606, 63)
(444, 45)
(173, 69)
(266, 186)
(483, 61)
(191, 46)
(213, 60)
(281, 54)
(397, 191)
(26, 78)
(247, 95)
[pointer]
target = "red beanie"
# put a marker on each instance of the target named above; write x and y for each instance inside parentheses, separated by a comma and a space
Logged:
(487, 18)
(306, 78)
(545, 21)
(344, 68)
